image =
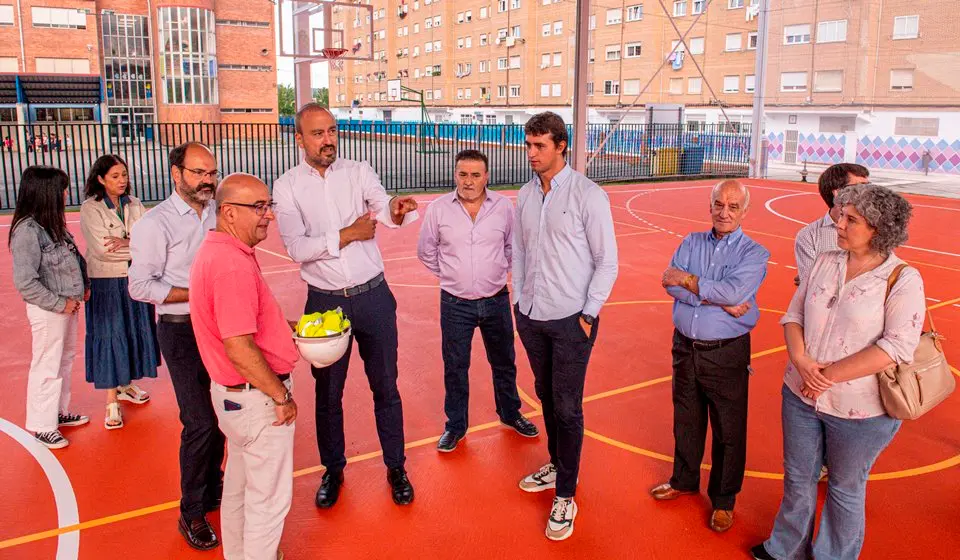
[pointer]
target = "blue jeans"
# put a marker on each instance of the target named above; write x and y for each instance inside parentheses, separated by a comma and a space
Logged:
(853, 446)
(459, 318)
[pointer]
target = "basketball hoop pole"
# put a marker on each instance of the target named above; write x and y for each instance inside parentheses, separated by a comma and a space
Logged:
(303, 85)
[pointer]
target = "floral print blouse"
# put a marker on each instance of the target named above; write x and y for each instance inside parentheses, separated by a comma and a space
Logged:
(840, 319)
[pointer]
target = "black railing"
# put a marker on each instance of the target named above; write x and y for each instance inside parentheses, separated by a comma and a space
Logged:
(408, 156)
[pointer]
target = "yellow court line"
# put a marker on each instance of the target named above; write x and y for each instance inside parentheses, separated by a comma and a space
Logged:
(529, 400)
(267, 251)
(943, 304)
(955, 371)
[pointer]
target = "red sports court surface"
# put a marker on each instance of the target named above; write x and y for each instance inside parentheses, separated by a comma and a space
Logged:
(118, 497)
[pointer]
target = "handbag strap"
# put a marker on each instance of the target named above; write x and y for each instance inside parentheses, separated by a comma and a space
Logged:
(892, 281)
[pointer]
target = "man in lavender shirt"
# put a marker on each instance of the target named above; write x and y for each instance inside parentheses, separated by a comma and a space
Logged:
(465, 241)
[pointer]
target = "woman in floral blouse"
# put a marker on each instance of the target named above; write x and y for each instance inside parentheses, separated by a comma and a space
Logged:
(840, 333)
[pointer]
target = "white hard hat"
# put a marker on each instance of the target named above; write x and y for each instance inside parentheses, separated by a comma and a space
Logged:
(323, 351)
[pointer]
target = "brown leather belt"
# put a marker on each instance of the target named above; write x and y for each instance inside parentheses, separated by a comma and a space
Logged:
(246, 386)
(175, 318)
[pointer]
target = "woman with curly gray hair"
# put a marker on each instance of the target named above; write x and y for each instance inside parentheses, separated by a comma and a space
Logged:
(841, 329)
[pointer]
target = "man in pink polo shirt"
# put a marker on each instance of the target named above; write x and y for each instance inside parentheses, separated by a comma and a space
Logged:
(246, 346)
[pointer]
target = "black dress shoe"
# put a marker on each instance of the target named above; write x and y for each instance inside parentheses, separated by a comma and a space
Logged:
(198, 533)
(329, 490)
(523, 427)
(760, 553)
(448, 441)
(402, 489)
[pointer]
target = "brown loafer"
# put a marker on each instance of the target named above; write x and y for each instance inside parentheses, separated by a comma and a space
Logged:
(721, 520)
(667, 492)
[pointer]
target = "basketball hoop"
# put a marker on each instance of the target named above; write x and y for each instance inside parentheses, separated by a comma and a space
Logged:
(333, 54)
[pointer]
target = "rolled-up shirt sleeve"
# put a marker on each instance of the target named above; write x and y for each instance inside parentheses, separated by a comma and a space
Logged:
(598, 224)
(377, 199)
(904, 314)
(148, 255)
(293, 231)
(741, 284)
(428, 246)
(681, 261)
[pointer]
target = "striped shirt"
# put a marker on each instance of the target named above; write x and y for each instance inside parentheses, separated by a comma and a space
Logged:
(816, 237)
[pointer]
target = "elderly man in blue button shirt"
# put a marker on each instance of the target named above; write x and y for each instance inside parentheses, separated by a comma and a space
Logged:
(713, 277)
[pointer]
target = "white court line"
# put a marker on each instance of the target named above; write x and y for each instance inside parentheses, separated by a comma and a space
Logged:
(284, 257)
(68, 544)
(768, 206)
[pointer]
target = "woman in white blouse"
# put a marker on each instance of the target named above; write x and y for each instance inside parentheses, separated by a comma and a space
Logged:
(840, 332)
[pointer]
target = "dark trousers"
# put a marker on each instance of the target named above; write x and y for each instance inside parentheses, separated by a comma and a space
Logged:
(201, 441)
(710, 383)
(559, 351)
(373, 320)
(458, 320)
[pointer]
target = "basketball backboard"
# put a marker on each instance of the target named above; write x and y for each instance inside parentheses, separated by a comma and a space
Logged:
(307, 27)
(393, 90)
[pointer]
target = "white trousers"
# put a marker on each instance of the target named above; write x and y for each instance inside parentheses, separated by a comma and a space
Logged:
(48, 384)
(258, 482)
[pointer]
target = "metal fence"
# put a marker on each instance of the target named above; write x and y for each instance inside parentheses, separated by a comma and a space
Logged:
(408, 156)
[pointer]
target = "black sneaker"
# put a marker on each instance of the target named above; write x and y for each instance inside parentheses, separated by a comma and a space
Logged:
(759, 552)
(68, 420)
(52, 440)
(448, 441)
(523, 427)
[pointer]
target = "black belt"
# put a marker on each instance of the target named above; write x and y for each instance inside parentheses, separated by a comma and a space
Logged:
(351, 291)
(246, 386)
(501, 292)
(175, 318)
(708, 344)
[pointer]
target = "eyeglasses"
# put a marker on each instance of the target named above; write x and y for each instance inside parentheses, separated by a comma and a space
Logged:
(259, 207)
(213, 175)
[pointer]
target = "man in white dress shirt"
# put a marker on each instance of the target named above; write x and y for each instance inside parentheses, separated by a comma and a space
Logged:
(327, 212)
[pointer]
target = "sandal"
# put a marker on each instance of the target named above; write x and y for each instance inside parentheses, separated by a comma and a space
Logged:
(133, 394)
(113, 420)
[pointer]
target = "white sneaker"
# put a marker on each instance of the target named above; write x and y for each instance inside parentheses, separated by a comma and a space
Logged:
(560, 524)
(544, 479)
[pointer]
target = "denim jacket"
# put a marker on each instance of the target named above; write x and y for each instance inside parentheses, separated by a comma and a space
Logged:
(46, 273)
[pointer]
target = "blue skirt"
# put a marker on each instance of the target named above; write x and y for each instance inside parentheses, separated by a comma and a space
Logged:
(121, 341)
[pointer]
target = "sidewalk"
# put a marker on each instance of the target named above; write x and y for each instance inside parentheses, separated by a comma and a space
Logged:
(935, 184)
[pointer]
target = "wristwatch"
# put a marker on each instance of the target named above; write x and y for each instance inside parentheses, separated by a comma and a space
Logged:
(287, 399)
(588, 319)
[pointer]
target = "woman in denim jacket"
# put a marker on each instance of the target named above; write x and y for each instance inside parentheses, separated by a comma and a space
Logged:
(51, 276)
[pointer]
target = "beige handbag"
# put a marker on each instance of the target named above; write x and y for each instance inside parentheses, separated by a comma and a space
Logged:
(910, 390)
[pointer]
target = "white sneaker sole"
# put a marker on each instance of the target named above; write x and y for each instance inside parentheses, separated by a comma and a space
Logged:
(128, 398)
(540, 488)
(60, 445)
(565, 536)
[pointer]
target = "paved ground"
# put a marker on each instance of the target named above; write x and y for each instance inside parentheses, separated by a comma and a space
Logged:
(935, 184)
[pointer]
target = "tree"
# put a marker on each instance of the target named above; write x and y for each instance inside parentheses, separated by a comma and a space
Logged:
(286, 100)
(322, 96)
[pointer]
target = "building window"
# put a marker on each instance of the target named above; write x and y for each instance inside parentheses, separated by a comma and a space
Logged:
(696, 45)
(501, 91)
(514, 4)
(613, 52)
(793, 81)
(555, 90)
(416, 51)
(127, 59)
(901, 80)
(516, 31)
(750, 83)
(544, 90)
(796, 34)
(694, 86)
(546, 30)
(65, 114)
(62, 18)
(515, 91)
(591, 56)
(188, 55)
(490, 119)
(501, 6)
(635, 13)
(9, 64)
(680, 8)
(904, 27)
(545, 60)
(731, 84)
(63, 66)
(460, 96)
(752, 41)
(6, 15)
(698, 6)
(838, 124)
(246, 110)
(631, 87)
(557, 59)
(734, 4)
(558, 28)
(614, 17)
(436, 21)
(611, 87)
(483, 39)
(515, 62)
(593, 22)
(483, 13)
(502, 63)
(734, 42)
(247, 67)
(484, 66)
(632, 50)
(436, 46)
(437, 93)
(832, 31)
(428, 47)
(416, 28)
(828, 81)
(589, 88)
(907, 126)
(676, 86)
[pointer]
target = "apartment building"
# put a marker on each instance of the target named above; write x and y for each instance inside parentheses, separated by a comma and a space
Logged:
(134, 62)
(876, 81)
